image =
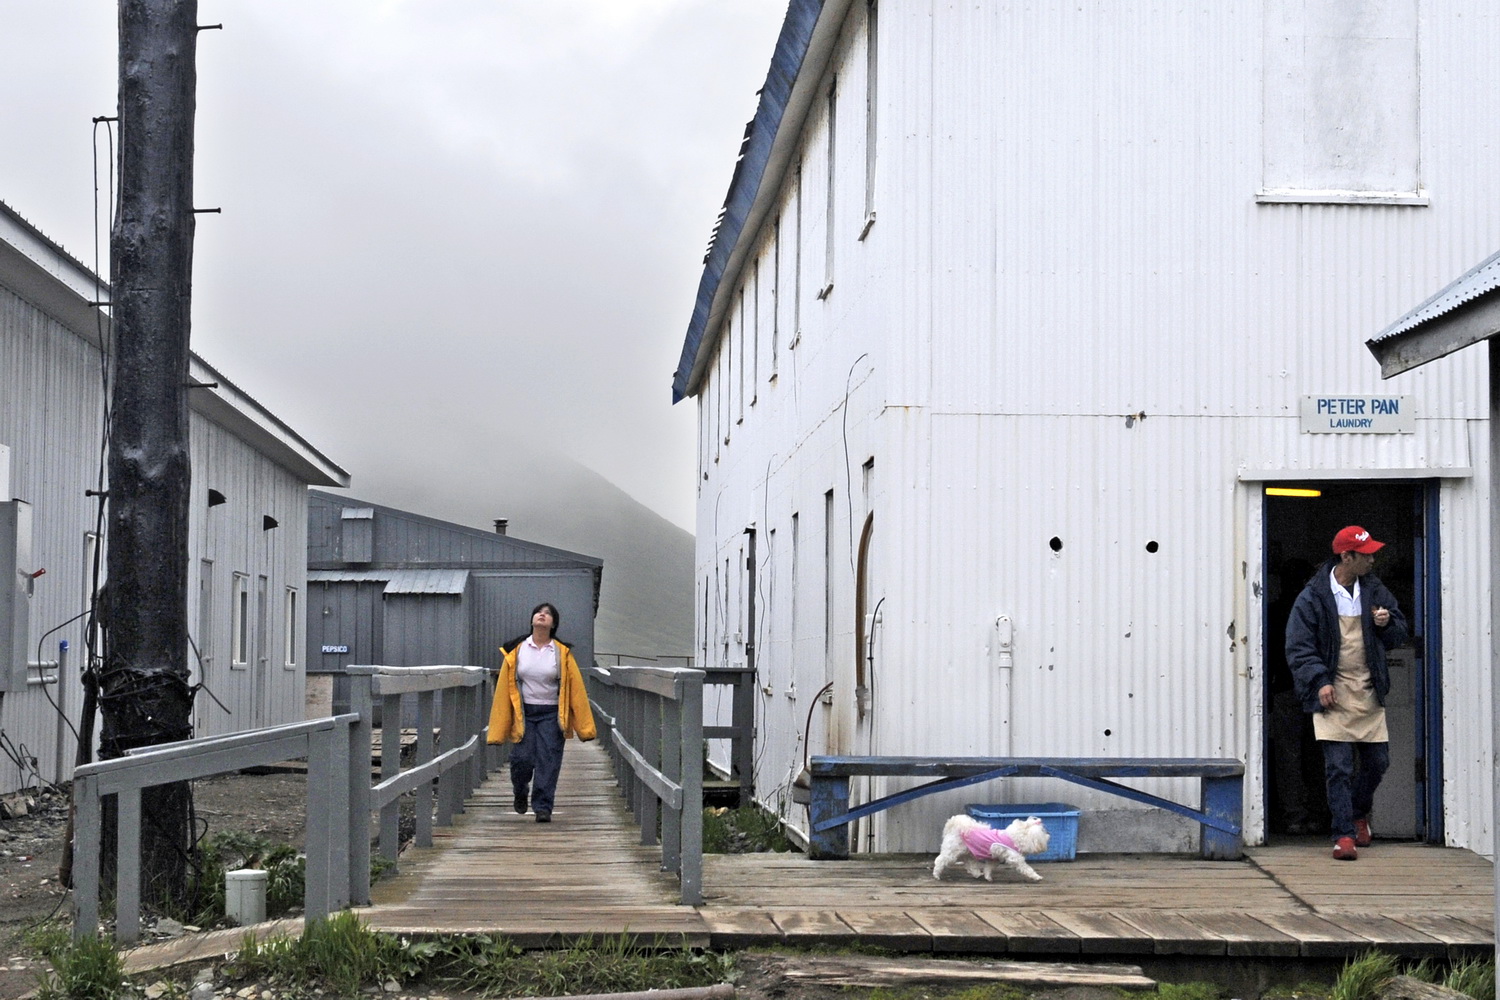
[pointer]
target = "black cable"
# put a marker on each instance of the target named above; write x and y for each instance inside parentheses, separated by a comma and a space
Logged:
(849, 476)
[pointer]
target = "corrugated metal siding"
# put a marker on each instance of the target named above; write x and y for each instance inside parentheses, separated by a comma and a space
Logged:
(501, 610)
(425, 630)
(50, 395)
(1067, 236)
(345, 613)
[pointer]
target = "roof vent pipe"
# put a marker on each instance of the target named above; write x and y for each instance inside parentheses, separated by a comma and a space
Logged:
(501, 524)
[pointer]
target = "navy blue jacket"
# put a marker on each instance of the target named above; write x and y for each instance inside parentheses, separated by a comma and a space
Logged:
(1313, 638)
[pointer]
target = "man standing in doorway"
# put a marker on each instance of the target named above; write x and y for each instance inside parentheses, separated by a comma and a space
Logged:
(1336, 639)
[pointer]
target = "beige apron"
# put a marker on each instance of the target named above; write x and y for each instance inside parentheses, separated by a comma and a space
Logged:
(1356, 716)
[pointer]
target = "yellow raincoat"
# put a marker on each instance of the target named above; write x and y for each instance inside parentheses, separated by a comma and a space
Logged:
(508, 720)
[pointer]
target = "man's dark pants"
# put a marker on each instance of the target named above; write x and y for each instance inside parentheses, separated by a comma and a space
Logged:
(1351, 792)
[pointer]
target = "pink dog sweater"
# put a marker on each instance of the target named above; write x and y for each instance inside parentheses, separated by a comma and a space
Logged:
(980, 839)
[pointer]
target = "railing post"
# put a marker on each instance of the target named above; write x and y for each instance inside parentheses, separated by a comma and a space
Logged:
(657, 750)
(316, 886)
(86, 835)
(448, 780)
(361, 736)
(423, 794)
(692, 787)
(390, 766)
(339, 821)
(744, 744)
(669, 734)
(128, 865)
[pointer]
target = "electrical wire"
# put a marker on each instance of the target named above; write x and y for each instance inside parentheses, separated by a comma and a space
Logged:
(848, 475)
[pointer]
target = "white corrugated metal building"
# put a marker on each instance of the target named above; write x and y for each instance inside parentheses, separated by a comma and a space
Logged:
(247, 529)
(1014, 313)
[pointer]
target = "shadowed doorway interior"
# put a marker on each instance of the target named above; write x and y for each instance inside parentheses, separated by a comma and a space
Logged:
(1300, 520)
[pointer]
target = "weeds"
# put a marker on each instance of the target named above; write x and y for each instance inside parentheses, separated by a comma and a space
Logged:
(1188, 991)
(343, 956)
(86, 969)
(746, 830)
(1473, 976)
(614, 965)
(1363, 976)
(339, 954)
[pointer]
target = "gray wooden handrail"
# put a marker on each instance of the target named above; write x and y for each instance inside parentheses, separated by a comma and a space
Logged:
(327, 745)
(652, 721)
(340, 794)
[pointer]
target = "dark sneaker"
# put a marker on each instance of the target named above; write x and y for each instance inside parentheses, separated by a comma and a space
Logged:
(1361, 833)
(1343, 850)
(544, 817)
(521, 803)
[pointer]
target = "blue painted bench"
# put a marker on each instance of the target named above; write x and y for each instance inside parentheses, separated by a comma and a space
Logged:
(1222, 779)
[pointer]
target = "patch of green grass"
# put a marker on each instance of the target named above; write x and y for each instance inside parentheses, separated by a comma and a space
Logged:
(614, 965)
(1302, 991)
(44, 938)
(746, 830)
(1362, 977)
(985, 991)
(1473, 976)
(1189, 991)
(86, 969)
(342, 956)
(339, 954)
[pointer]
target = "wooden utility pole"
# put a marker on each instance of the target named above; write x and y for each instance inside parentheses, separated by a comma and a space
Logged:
(144, 694)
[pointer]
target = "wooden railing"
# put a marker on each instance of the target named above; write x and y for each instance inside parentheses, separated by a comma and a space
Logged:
(340, 795)
(651, 719)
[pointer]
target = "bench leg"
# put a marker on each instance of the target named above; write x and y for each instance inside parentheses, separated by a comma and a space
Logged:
(830, 798)
(1223, 798)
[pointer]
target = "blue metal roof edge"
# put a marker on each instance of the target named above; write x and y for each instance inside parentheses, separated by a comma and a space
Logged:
(1479, 280)
(749, 172)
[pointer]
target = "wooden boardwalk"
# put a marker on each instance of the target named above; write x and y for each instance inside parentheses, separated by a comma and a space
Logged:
(585, 874)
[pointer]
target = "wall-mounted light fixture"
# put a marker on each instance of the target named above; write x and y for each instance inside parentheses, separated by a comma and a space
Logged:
(215, 498)
(267, 522)
(1288, 491)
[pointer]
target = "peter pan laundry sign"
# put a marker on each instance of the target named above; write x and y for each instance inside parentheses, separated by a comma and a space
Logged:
(1358, 415)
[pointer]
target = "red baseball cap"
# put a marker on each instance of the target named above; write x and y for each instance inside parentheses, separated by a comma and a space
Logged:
(1355, 539)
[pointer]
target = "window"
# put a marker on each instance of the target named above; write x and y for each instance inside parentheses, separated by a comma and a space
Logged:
(797, 269)
(744, 342)
(791, 688)
(775, 297)
(289, 654)
(872, 78)
(262, 623)
(239, 622)
(828, 222)
(755, 333)
(91, 555)
(1341, 114)
(828, 586)
(205, 643)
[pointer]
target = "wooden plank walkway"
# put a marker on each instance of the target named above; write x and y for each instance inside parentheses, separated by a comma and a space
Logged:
(585, 874)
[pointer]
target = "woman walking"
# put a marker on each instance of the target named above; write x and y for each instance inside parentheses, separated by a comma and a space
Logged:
(539, 702)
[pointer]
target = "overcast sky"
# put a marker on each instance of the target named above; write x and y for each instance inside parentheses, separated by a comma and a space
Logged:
(471, 218)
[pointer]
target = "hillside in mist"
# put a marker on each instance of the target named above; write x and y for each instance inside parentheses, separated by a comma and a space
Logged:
(646, 599)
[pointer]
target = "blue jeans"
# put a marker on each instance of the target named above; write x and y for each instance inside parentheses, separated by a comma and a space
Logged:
(1351, 793)
(537, 760)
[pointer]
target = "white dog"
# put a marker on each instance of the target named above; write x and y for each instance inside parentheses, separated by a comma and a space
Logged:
(979, 845)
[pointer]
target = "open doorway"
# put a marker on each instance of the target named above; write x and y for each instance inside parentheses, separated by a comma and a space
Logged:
(1300, 521)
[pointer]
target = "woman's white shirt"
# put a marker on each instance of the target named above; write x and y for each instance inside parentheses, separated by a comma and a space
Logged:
(538, 672)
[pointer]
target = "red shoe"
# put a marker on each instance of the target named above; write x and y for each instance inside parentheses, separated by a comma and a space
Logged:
(1361, 833)
(1344, 850)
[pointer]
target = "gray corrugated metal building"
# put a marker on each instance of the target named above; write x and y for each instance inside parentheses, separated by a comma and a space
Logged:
(391, 587)
(246, 537)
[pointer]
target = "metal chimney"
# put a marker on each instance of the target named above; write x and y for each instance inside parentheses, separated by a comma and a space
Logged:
(500, 525)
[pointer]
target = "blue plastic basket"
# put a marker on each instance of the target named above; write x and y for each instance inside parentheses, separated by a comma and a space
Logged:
(1061, 820)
